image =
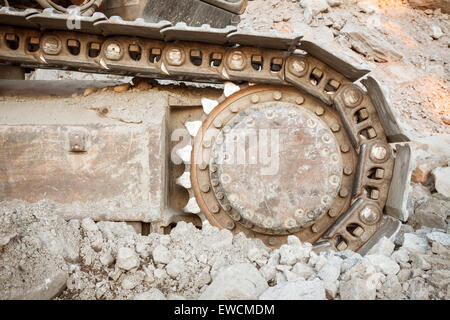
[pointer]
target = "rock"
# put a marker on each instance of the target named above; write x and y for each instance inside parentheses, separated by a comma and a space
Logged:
(403, 275)
(204, 277)
(442, 181)
(219, 239)
(303, 270)
(436, 32)
(106, 258)
(384, 264)
(331, 269)
(439, 278)
(159, 273)
(89, 91)
(392, 289)
(127, 259)
(161, 255)
(334, 3)
(444, 5)
(440, 249)
(415, 243)
(315, 6)
(175, 267)
(122, 87)
(418, 261)
(236, 282)
(363, 269)
(401, 256)
(298, 289)
(258, 255)
(370, 43)
(268, 272)
(367, 6)
(400, 237)
(384, 247)
(291, 254)
(417, 289)
(88, 225)
(143, 85)
(357, 289)
(440, 237)
(130, 281)
(152, 294)
(350, 260)
(431, 214)
(421, 173)
(45, 290)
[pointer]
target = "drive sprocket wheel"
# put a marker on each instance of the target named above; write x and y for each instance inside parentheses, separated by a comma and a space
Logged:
(270, 161)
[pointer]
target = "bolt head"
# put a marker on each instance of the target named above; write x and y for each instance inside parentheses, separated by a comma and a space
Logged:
(378, 152)
(277, 95)
(343, 192)
(369, 215)
(320, 111)
(236, 60)
(175, 57)
(298, 66)
(51, 45)
(230, 225)
(352, 97)
(215, 208)
(345, 148)
(255, 98)
(335, 127)
(113, 51)
(348, 171)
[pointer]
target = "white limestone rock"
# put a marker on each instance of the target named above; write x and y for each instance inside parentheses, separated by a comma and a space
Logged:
(236, 282)
(127, 259)
(384, 264)
(298, 289)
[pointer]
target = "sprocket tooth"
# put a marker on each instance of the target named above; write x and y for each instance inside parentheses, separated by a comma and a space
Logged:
(230, 88)
(164, 69)
(103, 63)
(184, 180)
(185, 153)
(193, 127)
(208, 105)
(192, 206)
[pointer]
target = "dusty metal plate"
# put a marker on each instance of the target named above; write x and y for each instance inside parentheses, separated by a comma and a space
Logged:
(399, 188)
(200, 34)
(51, 19)
(292, 181)
(350, 71)
(380, 101)
(270, 40)
(235, 6)
(192, 12)
(13, 17)
(138, 28)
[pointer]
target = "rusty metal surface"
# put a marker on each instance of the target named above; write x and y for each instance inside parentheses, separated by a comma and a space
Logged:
(304, 201)
(236, 6)
(301, 180)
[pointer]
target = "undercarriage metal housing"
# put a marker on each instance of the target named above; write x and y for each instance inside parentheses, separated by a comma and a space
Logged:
(216, 13)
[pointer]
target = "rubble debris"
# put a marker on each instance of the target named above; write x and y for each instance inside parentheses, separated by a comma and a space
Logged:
(442, 181)
(109, 260)
(298, 289)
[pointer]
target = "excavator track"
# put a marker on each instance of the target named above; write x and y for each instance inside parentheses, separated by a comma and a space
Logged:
(342, 174)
